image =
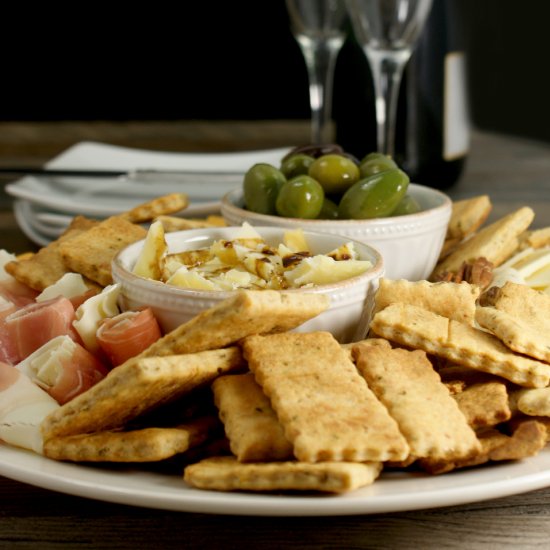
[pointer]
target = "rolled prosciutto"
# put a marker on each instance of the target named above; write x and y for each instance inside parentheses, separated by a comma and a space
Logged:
(8, 349)
(127, 334)
(16, 292)
(23, 407)
(35, 324)
(63, 368)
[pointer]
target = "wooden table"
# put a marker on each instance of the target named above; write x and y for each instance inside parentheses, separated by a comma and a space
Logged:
(513, 171)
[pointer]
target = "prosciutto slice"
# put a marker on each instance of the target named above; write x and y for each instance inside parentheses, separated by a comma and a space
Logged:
(127, 334)
(63, 368)
(8, 349)
(35, 324)
(16, 292)
(23, 407)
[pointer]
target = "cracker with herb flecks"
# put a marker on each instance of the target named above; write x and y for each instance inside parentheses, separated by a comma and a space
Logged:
(166, 204)
(528, 438)
(452, 300)
(484, 405)
(251, 425)
(227, 474)
(429, 418)
(461, 343)
(326, 408)
(246, 312)
(495, 242)
(467, 216)
(142, 445)
(136, 387)
(92, 252)
(46, 267)
(519, 316)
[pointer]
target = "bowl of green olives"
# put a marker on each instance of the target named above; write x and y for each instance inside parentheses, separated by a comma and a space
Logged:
(369, 200)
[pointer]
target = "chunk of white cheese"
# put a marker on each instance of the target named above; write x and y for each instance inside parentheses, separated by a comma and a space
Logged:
(69, 286)
(5, 257)
(154, 248)
(90, 314)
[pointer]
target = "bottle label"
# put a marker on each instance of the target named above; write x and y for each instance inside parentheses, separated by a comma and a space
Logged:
(456, 120)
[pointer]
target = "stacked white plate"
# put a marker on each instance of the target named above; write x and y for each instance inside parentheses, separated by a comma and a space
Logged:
(44, 206)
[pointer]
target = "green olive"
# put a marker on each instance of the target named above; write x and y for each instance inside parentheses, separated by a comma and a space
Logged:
(300, 197)
(335, 173)
(296, 165)
(374, 155)
(375, 165)
(315, 151)
(374, 197)
(329, 210)
(261, 186)
(407, 205)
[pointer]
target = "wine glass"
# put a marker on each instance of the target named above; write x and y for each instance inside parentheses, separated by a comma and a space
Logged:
(387, 30)
(318, 26)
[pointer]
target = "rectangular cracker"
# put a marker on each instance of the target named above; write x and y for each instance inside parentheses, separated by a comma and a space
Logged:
(427, 415)
(325, 406)
(463, 344)
(537, 238)
(517, 333)
(467, 216)
(522, 301)
(245, 313)
(251, 425)
(527, 440)
(92, 252)
(227, 474)
(46, 267)
(496, 242)
(522, 320)
(532, 402)
(147, 211)
(466, 375)
(175, 223)
(144, 445)
(136, 387)
(452, 300)
(484, 405)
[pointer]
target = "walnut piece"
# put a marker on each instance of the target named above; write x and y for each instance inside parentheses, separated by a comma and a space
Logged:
(479, 272)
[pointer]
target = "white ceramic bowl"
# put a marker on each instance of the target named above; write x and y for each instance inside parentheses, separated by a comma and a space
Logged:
(410, 245)
(350, 300)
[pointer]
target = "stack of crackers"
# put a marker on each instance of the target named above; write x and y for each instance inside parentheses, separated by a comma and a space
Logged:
(452, 375)
(472, 249)
(88, 246)
(248, 404)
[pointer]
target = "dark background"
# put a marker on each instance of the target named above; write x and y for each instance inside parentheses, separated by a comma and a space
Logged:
(238, 60)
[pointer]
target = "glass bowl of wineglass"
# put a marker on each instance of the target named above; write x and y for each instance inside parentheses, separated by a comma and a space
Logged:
(318, 26)
(387, 31)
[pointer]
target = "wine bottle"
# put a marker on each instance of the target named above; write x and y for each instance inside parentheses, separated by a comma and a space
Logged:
(432, 134)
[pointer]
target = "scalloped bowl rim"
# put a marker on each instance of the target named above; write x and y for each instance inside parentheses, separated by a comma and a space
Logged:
(121, 269)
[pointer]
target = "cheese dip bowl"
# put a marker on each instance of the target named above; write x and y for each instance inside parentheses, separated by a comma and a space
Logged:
(350, 299)
(410, 244)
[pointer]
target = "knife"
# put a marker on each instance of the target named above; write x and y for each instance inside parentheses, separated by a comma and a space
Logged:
(139, 174)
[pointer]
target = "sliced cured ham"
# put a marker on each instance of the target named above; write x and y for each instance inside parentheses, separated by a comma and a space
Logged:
(8, 349)
(32, 326)
(92, 312)
(127, 334)
(63, 368)
(16, 292)
(23, 407)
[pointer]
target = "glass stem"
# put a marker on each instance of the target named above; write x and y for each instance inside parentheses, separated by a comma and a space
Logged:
(320, 60)
(387, 70)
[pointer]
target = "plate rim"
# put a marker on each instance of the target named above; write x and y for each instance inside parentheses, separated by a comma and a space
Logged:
(27, 467)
